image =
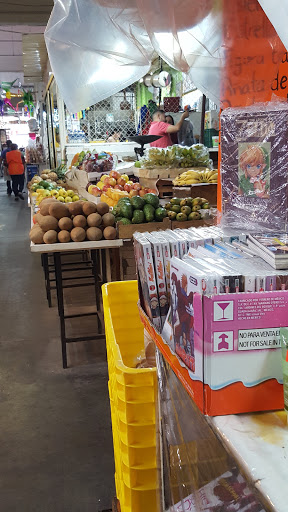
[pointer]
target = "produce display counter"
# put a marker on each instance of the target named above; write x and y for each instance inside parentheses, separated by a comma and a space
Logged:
(95, 259)
(258, 442)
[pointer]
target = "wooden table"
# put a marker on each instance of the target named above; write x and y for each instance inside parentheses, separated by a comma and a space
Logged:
(94, 257)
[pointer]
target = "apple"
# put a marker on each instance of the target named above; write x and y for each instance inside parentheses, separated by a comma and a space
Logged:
(146, 190)
(133, 193)
(106, 181)
(104, 177)
(96, 191)
(142, 193)
(121, 182)
(127, 187)
(125, 177)
(105, 188)
(118, 187)
(115, 175)
(152, 191)
(112, 182)
(130, 182)
(137, 186)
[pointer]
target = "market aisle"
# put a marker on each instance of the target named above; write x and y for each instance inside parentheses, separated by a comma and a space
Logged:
(56, 445)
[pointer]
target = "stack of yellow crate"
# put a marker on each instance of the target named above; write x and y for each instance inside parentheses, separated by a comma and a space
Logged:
(132, 394)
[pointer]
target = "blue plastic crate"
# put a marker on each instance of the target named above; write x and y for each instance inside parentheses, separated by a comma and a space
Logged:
(32, 170)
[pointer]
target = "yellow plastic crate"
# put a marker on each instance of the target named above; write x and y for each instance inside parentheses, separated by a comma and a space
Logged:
(132, 394)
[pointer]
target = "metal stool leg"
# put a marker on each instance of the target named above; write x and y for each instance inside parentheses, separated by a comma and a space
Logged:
(60, 300)
(47, 278)
(95, 270)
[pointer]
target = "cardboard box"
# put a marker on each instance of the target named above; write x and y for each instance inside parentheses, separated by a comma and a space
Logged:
(207, 190)
(127, 231)
(237, 352)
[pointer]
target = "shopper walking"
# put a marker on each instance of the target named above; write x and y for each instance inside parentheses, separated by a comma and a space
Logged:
(15, 162)
(6, 174)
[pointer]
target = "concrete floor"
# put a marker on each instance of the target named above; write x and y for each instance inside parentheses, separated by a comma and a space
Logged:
(55, 435)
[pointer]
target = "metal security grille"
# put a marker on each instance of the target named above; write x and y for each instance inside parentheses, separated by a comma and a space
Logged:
(113, 117)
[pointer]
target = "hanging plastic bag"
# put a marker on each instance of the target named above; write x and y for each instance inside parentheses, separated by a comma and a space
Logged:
(95, 51)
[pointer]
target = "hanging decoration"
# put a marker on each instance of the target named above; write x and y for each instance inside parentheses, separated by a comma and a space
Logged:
(27, 100)
(6, 86)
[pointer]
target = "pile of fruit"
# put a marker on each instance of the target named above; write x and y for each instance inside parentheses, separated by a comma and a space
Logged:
(91, 161)
(111, 187)
(195, 177)
(51, 184)
(76, 222)
(137, 210)
(186, 209)
(176, 156)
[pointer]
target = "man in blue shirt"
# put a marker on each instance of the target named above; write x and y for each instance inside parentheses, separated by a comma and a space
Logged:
(5, 166)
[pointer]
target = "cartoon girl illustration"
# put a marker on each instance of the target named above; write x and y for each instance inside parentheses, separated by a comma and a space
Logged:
(253, 180)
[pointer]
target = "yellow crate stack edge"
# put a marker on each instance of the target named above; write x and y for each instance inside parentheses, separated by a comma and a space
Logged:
(132, 393)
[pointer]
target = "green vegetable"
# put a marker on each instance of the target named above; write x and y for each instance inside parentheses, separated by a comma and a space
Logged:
(151, 199)
(137, 164)
(126, 210)
(137, 202)
(44, 184)
(149, 211)
(160, 214)
(125, 221)
(138, 217)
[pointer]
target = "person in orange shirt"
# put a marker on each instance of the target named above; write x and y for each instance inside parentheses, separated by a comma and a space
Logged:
(15, 163)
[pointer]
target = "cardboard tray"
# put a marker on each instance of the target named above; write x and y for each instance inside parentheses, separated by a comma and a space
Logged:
(207, 190)
(127, 231)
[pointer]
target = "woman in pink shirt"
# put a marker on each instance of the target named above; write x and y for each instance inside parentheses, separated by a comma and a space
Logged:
(160, 127)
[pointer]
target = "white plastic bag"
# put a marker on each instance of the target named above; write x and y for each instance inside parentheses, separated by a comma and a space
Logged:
(95, 51)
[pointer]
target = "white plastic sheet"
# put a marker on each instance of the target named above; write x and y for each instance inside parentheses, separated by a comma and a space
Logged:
(98, 47)
(95, 51)
(277, 12)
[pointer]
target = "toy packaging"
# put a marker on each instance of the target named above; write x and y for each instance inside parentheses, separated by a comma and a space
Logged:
(148, 292)
(254, 165)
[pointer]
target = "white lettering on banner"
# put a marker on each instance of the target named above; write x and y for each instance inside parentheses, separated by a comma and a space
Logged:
(259, 339)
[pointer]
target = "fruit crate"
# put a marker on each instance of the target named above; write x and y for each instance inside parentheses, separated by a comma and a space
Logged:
(207, 190)
(132, 394)
(165, 188)
(126, 231)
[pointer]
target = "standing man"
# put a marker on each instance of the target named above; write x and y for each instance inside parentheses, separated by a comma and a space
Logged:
(16, 170)
(160, 127)
(5, 166)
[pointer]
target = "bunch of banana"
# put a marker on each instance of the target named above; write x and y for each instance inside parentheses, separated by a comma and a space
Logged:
(194, 177)
(210, 176)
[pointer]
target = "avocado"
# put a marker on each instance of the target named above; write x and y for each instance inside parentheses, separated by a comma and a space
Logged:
(181, 217)
(151, 199)
(137, 202)
(124, 200)
(175, 200)
(149, 211)
(176, 208)
(172, 215)
(126, 210)
(125, 221)
(196, 200)
(138, 217)
(160, 214)
(44, 184)
(196, 207)
(186, 210)
(194, 216)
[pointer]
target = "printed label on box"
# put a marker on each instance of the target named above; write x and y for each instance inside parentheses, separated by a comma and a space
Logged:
(223, 311)
(223, 341)
(257, 339)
